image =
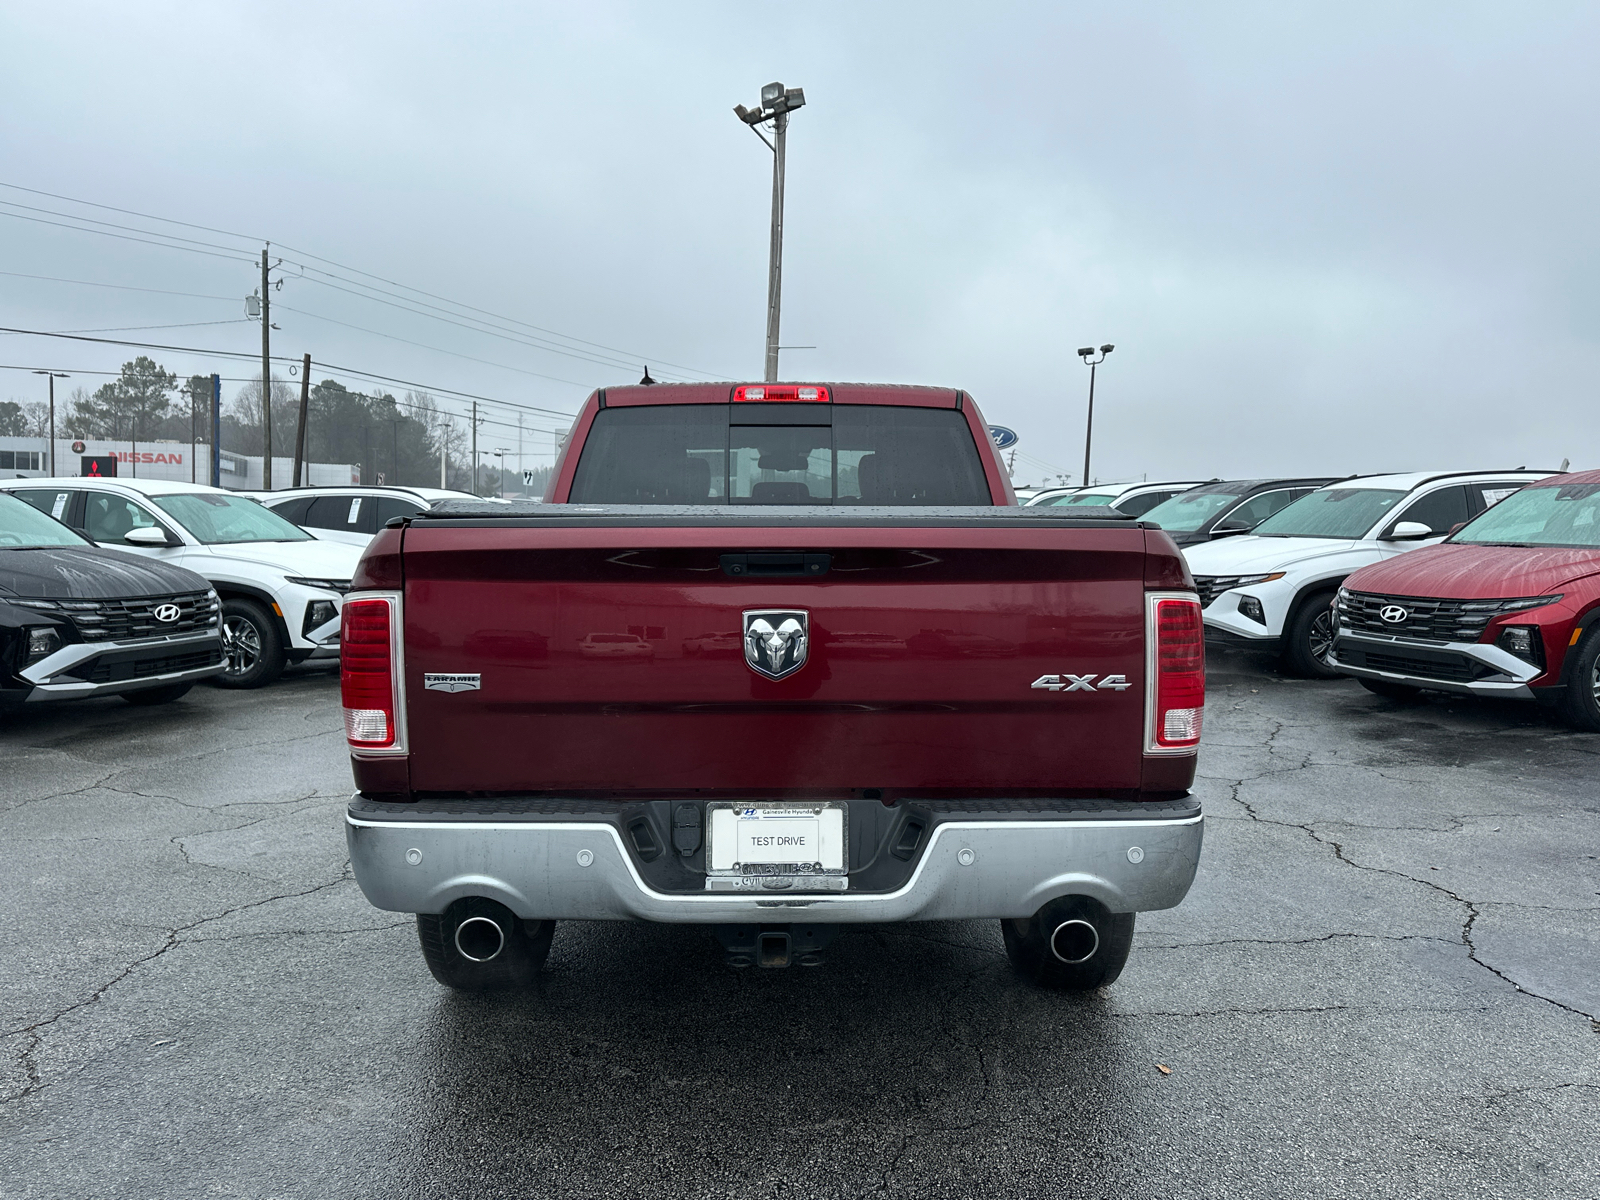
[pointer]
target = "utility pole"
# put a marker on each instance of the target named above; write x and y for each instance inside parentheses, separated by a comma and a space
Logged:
(442, 464)
(474, 447)
(216, 431)
(777, 102)
(266, 376)
(300, 429)
(1087, 354)
(519, 449)
(54, 375)
(194, 434)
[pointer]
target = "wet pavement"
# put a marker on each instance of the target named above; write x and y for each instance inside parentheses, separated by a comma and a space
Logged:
(1384, 983)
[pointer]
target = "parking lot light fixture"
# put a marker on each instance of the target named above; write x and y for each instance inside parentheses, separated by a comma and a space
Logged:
(777, 102)
(1088, 354)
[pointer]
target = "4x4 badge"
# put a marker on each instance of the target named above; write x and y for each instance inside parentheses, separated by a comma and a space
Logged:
(776, 640)
(1082, 683)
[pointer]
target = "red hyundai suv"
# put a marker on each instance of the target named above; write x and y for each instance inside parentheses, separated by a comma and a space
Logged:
(1508, 606)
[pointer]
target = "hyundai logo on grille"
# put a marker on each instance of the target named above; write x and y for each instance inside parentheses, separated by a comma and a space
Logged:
(168, 612)
(1393, 613)
(776, 641)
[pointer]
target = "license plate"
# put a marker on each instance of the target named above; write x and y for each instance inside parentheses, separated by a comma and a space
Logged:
(775, 846)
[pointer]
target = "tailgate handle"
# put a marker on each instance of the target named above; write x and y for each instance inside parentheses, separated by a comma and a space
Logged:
(775, 566)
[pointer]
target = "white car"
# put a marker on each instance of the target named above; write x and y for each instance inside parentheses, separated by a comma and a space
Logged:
(1134, 499)
(352, 514)
(281, 588)
(1273, 588)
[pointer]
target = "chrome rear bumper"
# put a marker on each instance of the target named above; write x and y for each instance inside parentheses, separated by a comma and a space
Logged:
(580, 870)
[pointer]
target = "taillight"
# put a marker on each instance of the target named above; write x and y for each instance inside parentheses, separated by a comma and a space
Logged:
(366, 673)
(780, 391)
(1180, 674)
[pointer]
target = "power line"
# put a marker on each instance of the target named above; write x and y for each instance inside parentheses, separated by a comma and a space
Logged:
(128, 212)
(180, 325)
(123, 287)
(469, 307)
(171, 237)
(326, 367)
(125, 238)
(519, 339)
(424, 346)
(630, 358)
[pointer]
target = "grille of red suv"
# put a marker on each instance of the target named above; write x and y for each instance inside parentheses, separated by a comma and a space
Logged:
(1426, 619)
(129, 620)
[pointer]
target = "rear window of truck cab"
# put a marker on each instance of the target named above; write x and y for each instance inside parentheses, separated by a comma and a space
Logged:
(780, 454)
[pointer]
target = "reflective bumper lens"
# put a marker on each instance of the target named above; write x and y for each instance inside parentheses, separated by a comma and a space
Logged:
(42, 643)
(1525, 642)
(318, 612)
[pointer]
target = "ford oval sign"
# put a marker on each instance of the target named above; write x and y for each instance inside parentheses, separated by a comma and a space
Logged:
(1004, 438)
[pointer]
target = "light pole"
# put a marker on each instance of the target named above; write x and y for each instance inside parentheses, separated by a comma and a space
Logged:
(1087, 354)
(500, 452)
(777, 102)
(54, 375)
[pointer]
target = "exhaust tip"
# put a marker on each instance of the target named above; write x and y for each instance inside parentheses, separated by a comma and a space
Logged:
(480, 939)
(1074, 941)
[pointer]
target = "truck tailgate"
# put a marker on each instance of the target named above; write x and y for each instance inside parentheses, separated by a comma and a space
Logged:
(611, 660)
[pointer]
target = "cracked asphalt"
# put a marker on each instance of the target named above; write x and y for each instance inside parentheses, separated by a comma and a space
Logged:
(1384, 983)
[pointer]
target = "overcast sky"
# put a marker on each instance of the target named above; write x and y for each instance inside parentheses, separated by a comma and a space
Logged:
(1357, 240)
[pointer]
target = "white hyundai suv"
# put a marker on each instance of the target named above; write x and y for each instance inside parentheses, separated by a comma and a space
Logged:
(1273, 588)
(281, 588)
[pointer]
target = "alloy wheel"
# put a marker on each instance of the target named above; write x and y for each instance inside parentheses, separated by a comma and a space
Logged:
(1322, 635)
(241, 645)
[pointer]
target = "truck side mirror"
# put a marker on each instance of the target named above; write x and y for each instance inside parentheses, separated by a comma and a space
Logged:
(1409, 531)
(1456, 528)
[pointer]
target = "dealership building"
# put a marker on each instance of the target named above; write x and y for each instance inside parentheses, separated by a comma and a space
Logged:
(29, 458)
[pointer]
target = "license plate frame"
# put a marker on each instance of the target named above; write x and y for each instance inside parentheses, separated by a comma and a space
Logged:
(809, 850)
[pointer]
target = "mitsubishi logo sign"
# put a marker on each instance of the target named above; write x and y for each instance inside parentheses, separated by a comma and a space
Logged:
(776, 640)
(1393, 613)
(168, 612)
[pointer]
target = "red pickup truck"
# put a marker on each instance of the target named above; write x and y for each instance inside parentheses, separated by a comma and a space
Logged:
(846, 679)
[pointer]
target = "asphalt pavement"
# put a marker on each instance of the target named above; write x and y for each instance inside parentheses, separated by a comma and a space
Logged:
(1384, 983)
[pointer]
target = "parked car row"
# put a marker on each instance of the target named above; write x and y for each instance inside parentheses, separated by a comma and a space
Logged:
(1475, 582)
(279, 589)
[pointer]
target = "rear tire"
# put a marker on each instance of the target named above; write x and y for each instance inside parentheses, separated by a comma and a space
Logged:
(157, 695)
(1581, 703)
(253, 654)
(1390, 691)
(1308, 638)
(525, 946)
(1073, 927)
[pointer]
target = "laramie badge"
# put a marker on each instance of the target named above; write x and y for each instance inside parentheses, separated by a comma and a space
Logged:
(776, 640)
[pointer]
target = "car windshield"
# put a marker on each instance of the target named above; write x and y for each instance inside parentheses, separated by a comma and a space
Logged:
(23, 527)
(216, 517)
(1565, 515)
(1331, 513)
(1187, 511)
